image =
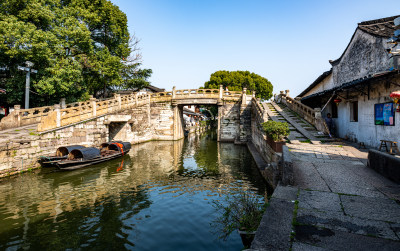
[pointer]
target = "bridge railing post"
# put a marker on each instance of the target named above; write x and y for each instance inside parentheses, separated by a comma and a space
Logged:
(136, 99)
(58, 115)
(174, 92)
(62, 103)
(17, 112)
(94, 106)
(118, 98)
(221, 91)
(244, 95)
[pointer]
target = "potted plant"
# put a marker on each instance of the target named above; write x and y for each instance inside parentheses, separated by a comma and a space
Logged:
(242, 212)
(276, 131)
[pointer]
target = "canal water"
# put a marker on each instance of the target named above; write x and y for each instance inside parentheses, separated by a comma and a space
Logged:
(159, 197)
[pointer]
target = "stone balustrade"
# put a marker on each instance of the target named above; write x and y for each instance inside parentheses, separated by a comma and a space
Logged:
(22, 117)
(51, 117)
(259, 109)
(306, 112)
(313, 116)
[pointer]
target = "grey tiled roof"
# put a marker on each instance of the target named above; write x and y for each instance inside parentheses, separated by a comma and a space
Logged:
(383, 27)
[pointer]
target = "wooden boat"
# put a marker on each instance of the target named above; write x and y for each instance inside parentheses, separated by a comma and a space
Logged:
(61, 154)
(79, 158)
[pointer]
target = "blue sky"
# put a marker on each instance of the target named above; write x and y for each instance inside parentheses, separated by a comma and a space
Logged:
(287, 42)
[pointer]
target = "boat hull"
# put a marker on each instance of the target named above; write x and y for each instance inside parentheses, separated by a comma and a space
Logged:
(69, 165)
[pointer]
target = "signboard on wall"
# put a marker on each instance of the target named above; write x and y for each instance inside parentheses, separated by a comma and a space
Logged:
(384, 114)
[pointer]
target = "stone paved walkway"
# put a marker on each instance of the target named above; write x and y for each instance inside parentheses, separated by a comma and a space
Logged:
(336, 203)
(19, 134)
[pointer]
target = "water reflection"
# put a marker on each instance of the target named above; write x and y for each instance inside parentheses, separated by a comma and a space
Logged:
(157, 196)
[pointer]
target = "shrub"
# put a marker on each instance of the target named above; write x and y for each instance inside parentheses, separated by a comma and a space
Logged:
(276, 130)
(239, 211)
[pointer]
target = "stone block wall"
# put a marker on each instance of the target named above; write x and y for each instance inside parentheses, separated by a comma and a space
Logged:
(228, 123)
(20, 155)
(245, 120)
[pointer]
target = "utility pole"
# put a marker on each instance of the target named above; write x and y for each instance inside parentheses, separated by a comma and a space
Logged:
(28, 69)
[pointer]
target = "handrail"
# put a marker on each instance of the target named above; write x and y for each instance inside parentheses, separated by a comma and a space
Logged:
(313, 116)
(80, 111)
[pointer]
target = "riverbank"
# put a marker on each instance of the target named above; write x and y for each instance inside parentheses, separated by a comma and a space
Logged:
(336, 203)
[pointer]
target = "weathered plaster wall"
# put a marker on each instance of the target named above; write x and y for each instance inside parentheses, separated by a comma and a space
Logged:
(365, 129)
(325, 84)
(365, 55)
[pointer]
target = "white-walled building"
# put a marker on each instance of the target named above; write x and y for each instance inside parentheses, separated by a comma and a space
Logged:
(360, 81)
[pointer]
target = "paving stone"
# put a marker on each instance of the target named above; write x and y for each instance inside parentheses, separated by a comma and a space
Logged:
(318, 200)
(340, 178)
(341, 222)
(371, 208)
(396, 229)
(298, 246)
(339, 240)
(307, 176)
(285, 193)
(275, 227)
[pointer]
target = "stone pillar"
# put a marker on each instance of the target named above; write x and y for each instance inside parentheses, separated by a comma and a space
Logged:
(244, 95)
(178, 123)
(17, 112)
(221, 91)
(118, 98)
(62, 103)
(58, 115)
(287, 93)
(136, 101)
(94, 106)
(317, 112)
(149, 109)
(219, 121)
(254, 94)
(174, 92)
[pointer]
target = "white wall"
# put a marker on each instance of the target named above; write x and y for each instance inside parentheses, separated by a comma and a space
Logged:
(325, 84)
(365, 129)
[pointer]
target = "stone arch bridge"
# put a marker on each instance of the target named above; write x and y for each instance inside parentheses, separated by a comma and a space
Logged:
(137, 118)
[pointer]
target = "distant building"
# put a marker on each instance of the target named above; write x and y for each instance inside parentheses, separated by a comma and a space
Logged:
(356, 90)
(150, 89)
(146, 90)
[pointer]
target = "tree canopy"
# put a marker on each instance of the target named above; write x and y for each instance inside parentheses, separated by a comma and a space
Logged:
(79, 47)
(237, 80)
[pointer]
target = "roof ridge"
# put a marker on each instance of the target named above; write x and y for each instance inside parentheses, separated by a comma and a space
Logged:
(380, 20)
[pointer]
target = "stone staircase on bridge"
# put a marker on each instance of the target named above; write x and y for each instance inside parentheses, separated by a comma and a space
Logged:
(301, 131)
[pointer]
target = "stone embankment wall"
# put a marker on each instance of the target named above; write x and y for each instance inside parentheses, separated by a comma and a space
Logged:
(19, 155)
(228, 123)
(278, 166)
(153, 121)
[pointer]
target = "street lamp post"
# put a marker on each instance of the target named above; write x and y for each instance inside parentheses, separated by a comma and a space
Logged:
(28, 69)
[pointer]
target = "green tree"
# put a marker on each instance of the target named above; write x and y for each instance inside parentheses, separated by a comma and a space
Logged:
(79, 48)
(237, 80)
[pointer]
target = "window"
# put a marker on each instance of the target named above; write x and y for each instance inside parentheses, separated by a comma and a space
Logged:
(354, 111)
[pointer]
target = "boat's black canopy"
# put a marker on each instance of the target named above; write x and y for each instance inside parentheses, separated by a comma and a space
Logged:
(105, 145)
(65, 150)
(122, 147)
(84, 153)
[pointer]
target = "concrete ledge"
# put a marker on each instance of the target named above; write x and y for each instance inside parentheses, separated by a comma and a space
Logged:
(287, 167)
(385, 164)
(276, 225)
